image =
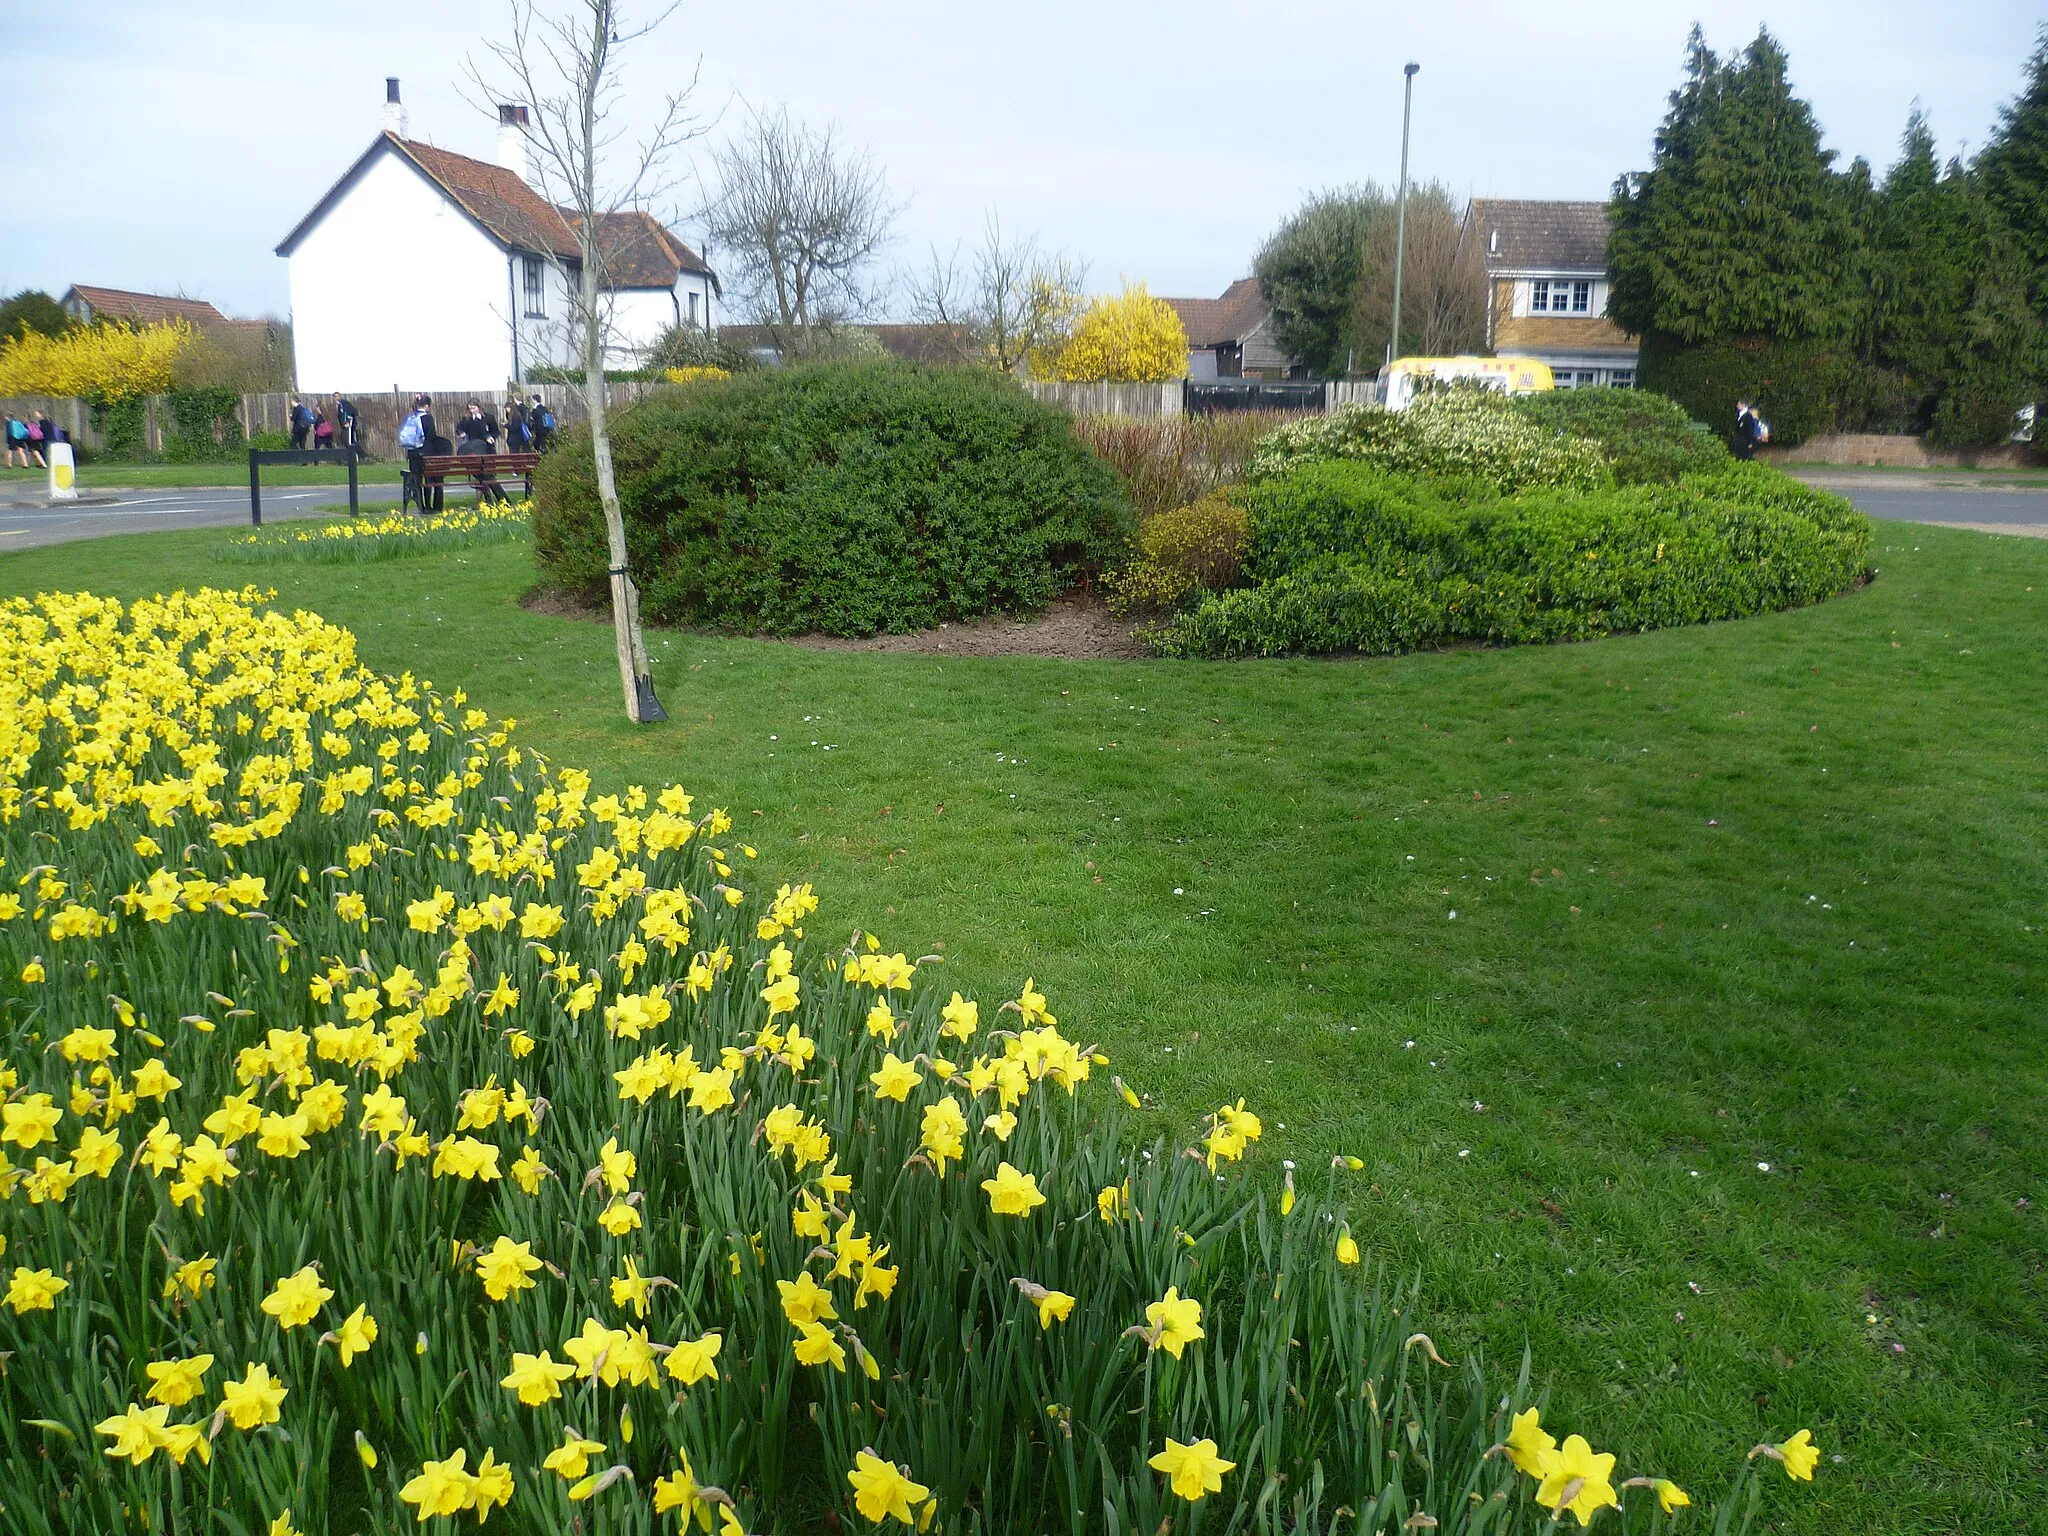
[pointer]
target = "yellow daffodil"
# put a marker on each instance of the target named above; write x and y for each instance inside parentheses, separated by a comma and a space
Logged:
(1012, 1192)
(253, 1401)
(1177, 1320)
(537, 1378)
(296, 1298)
(1799, 1455)
(441, 1488)
(1574, 1477)
(175, 1383)
(882, 1491)
(1192, 1471)
(694, 1360)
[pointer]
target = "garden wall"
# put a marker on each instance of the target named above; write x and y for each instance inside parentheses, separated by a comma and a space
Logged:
(1898, 451)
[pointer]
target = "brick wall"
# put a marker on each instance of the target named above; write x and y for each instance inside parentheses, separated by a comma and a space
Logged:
(1889, 451)
(1513, 332)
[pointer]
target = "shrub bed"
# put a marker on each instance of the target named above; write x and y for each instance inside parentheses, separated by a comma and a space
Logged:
(850, 498)
(361, 1061)
(1351, 558)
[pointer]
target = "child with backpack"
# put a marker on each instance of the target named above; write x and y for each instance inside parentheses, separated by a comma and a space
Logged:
(540, 424)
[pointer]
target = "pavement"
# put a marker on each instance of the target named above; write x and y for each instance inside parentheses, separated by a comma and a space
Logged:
(29, 519)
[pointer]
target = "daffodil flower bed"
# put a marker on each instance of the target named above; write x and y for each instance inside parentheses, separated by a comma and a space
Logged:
(394, 1131)
(390, 535)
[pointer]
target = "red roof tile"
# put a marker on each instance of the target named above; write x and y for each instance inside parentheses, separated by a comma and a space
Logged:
(144, 308)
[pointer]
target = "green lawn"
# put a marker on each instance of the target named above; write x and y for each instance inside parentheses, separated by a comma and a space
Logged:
(1770, 893)
(106, 473)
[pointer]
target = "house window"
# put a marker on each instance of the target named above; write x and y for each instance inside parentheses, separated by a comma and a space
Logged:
(1622, 378)
(1560, 296)
(535, 275)
(693, 309)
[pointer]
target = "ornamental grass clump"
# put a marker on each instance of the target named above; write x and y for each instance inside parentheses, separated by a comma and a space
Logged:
(397, 1130)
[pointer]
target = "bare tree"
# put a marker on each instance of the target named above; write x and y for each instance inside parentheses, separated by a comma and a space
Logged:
(1011, 303)
(564, 66)
(1443, 289)
(800, 219)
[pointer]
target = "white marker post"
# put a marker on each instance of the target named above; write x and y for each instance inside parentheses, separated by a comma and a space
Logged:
(63, 472)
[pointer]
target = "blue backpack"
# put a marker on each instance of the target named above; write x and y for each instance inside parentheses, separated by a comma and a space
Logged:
(411, 434)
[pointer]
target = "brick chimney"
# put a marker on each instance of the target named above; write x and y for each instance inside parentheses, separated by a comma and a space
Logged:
(512, 140)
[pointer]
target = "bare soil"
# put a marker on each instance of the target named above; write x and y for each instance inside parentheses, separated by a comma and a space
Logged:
(1078, 627)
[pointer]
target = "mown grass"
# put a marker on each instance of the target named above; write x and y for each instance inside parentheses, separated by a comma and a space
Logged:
(1771, 893)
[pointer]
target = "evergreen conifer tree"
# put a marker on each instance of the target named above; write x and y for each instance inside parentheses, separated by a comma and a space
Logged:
(2014, 168)
(1740, 227)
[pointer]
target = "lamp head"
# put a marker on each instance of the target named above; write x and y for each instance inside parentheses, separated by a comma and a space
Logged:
(1410, 69)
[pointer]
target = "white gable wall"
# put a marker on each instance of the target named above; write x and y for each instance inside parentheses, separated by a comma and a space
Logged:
(396, 287)
(640, 315)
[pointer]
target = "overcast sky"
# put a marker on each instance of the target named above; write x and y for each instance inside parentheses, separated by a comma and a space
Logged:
(170, 147)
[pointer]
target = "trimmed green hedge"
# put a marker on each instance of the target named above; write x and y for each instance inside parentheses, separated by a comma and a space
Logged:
(849, 498)
(1352, 559)
(1646, 438)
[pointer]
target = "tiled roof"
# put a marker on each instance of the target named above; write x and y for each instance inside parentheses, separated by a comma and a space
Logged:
(1230, 318)
(922, 343)
(496, 198)
(639, 252)
(1531, 236)
(145, 308)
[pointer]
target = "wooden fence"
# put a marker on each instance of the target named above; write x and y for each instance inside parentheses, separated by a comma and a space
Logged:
(379, 413)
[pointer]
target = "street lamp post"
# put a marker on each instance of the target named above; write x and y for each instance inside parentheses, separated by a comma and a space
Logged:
(1401, 214)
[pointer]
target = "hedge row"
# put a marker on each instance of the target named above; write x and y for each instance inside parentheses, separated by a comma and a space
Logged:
(1352, 559)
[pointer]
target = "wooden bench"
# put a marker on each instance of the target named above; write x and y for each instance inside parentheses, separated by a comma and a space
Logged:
(438, 468)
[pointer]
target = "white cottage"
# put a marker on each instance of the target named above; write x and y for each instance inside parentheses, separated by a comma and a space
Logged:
(422, 269)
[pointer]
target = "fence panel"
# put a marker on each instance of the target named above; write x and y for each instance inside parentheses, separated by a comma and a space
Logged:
(1148, 402)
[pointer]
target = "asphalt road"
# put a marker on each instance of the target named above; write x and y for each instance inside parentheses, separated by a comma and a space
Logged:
(2003, 511)
(27, 521)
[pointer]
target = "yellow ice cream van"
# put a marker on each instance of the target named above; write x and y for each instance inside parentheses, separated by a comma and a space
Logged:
(1411, 376)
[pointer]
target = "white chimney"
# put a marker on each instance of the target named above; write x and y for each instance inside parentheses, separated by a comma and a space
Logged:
(512, 140)
(394, 109)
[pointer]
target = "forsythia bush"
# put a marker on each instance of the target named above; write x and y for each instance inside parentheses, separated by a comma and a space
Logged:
(1130, 337)
(104, 363)
(1455, 432)
(695, 373)
(407, 1134)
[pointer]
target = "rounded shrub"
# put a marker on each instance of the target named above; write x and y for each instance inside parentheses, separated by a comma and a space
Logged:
(1351, 559)
(1645, 437)
(849, 498)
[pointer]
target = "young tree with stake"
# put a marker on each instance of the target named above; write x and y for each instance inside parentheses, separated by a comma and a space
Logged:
(565, 66)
